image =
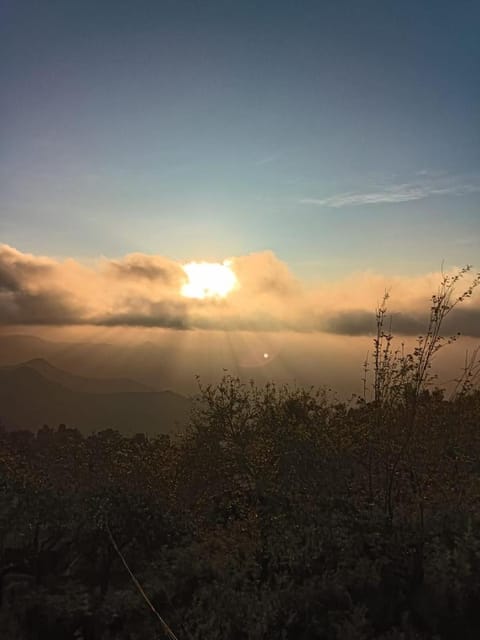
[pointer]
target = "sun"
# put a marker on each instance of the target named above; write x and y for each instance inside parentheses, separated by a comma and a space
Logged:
(208, 280)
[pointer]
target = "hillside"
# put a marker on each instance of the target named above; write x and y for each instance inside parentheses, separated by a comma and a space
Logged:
(33, 394)
(81, 383)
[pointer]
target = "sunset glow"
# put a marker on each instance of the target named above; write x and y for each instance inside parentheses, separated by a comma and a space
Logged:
(208, 280)
(239, 319)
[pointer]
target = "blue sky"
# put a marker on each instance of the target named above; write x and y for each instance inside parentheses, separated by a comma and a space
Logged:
(343, 136)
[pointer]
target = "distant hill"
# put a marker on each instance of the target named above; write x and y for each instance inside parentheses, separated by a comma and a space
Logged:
(147, 364)
(36, 393)
(80, 383)
(20, 347)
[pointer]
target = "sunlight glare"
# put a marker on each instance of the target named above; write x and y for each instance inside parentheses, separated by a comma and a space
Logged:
(208, 280)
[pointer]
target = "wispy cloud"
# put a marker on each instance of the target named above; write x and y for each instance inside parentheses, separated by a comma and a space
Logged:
(267, 159)
(404, 192)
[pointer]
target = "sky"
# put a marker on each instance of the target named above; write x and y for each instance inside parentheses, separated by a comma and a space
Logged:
(342, 136)
(326, 151)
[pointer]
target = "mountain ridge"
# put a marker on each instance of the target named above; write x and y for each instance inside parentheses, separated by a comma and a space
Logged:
(75, 382)
(29, 400)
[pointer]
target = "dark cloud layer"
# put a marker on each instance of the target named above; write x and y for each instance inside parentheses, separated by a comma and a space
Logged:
(161, 315)
(44, 308)
(143, 267)
(357, 322)
(466, 320)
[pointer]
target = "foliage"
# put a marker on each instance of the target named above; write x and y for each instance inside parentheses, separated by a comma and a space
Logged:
(278, 514)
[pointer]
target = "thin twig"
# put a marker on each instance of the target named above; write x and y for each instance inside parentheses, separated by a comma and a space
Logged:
(168, 632)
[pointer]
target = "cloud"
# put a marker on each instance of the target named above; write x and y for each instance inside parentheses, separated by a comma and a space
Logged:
(397, 193)
(264, 273)
(138, 266)
(358, 322)
(155, 315)
(31, 290)
(144, 291)
(17, 268)
(38, 308)
(267, 159)
(466, 320)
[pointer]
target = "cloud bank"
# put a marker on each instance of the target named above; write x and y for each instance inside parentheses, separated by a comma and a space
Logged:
(144, 291)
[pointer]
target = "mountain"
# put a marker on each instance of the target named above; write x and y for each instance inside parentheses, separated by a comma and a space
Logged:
(30, 398)
(20, 347)
(147, 364)
(80, 383)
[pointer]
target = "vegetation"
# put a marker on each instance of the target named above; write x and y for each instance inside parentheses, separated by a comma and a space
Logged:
(278, 514)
